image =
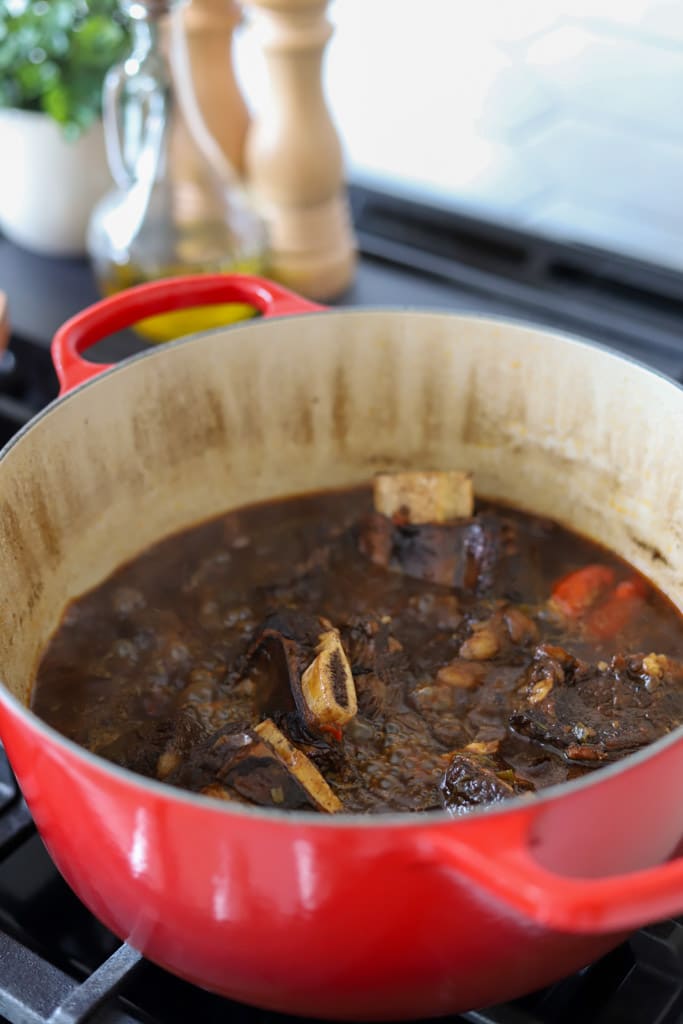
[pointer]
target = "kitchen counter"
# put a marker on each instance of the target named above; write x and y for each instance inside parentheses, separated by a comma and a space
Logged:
(415, 256)
(45, 291)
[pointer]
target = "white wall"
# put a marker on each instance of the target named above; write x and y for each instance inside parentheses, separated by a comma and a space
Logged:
(565, 115)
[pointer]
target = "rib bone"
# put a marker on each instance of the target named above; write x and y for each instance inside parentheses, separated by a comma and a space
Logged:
(327, 687)
(424, 497)
(300, 767)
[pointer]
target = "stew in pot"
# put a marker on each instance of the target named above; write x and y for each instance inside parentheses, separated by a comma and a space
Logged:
(395, 648)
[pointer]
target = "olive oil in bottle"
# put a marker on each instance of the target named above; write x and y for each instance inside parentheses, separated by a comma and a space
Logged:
(177, 207)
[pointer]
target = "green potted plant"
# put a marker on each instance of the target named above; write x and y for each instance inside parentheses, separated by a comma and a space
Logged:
(54, 55)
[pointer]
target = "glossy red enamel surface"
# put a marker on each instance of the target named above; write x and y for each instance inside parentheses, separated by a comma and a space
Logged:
(127, 307)
(365, 921)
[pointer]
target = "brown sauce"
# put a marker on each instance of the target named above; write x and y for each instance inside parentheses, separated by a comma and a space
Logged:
(465, 694)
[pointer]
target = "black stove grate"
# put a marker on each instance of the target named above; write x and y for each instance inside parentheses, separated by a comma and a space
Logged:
(59, 965)
(27, 384)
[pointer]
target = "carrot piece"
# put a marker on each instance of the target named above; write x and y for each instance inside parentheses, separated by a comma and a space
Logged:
(579, 590)
(614, 614)
(635, 587)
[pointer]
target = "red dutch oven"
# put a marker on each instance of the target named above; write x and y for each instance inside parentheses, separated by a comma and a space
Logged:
(387, 917)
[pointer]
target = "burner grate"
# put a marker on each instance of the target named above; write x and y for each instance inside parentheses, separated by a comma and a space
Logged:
(27, 384)
(33, 991)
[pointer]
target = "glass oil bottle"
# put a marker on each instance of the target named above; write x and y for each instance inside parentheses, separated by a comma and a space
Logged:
(177, 207)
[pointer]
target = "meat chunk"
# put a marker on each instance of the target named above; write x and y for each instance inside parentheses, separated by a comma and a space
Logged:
(292, 631)
(597, 713)
(271, 771)
(461, 673)
(380, 666)
(260, 777)
(259, 765)
(473, 778)
(196, 764)
(372, 695)
(490, 540)
(465, 554)
(301, 656)
(507, 627)
(485, 640)
(424, 497)
(369, 641)
(486, 714)
(359, 636)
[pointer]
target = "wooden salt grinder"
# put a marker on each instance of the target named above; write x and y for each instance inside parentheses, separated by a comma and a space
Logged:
(208, 27)
(293, 156)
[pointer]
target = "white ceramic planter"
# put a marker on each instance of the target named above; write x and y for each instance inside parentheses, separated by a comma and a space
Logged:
(48, 186)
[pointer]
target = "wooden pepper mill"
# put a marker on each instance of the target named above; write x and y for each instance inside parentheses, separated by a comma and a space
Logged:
(208, 26)
(293, 156)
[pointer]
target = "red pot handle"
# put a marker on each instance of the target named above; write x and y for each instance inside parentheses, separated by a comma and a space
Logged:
(127, 307)
(617, 903)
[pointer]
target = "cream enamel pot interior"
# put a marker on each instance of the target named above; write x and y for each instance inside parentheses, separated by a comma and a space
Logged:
(374, 918)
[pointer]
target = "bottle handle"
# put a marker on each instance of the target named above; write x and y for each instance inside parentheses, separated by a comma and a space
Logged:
(128, 307)
(114, 82)
(129, 164)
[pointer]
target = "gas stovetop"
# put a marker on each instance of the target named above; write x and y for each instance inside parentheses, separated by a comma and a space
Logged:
(57, 963)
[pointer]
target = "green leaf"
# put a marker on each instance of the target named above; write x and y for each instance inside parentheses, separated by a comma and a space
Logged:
(54, 55)
(96, 40)
(35, 79)
(59, 44)
(56, 103)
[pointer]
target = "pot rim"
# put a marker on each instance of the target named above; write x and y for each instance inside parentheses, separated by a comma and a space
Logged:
(397, 820)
